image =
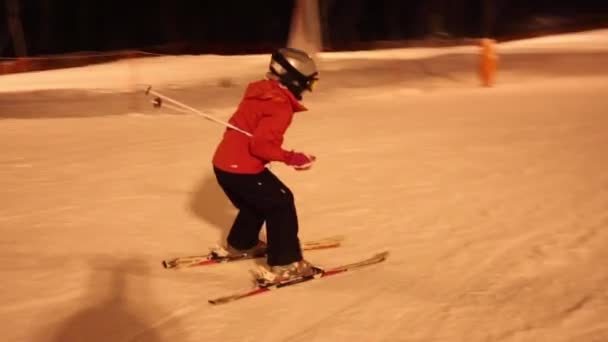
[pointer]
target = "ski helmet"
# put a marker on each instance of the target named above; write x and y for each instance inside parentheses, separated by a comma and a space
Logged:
(295, 69)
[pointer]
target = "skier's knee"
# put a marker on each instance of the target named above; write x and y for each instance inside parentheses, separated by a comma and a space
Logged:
(287, 196)
(281, 199)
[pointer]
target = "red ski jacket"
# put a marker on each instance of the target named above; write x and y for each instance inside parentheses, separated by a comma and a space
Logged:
(265, 111)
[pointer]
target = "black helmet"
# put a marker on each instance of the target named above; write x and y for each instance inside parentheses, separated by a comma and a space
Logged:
(295, 69)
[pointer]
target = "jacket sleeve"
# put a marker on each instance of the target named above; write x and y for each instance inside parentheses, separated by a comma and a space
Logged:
(268, 135)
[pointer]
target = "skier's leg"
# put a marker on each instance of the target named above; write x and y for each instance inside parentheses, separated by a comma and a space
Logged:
(281, 221)
(245, 230)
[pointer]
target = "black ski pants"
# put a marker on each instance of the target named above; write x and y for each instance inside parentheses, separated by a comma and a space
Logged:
(262, 198)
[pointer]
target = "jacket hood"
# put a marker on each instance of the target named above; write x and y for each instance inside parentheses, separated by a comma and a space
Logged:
(273, 90)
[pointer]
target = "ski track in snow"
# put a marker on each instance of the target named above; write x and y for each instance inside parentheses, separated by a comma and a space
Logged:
(492, 202)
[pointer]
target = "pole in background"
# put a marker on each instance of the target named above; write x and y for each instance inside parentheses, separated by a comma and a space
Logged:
(15, 28)
(305, 30)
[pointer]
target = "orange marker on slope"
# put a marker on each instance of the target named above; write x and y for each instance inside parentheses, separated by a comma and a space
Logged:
(488, 62)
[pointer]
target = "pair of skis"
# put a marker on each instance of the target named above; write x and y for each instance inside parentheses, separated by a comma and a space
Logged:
(214, 258)
(266, 286)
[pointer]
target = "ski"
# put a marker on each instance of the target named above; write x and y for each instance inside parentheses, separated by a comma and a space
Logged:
(321, 273)
(213, 257)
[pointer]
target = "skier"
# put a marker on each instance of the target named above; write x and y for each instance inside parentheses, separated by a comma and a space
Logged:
(266, 111)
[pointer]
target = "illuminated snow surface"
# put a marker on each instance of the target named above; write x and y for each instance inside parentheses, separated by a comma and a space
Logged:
(493, 202)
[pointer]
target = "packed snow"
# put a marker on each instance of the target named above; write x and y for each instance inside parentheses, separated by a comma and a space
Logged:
(493, 203)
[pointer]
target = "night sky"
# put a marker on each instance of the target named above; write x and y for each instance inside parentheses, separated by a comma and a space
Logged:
(235, 26)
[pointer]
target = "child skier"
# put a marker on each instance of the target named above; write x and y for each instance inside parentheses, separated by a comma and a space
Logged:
(266, 111)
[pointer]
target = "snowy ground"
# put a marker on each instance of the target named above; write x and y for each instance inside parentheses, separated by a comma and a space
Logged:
(492, 202)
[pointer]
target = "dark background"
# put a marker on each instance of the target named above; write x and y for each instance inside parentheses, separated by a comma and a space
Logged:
(242, 26)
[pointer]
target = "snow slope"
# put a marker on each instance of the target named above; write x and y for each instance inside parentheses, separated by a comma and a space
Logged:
(492, 202)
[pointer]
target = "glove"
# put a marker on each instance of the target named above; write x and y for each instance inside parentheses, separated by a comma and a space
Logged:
(300, 161)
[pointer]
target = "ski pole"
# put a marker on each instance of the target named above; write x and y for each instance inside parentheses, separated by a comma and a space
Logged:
(160, 97)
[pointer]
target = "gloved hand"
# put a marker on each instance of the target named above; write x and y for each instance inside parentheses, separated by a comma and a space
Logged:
(300, 161)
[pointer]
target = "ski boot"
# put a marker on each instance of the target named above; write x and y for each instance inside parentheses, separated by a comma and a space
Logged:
(234, 253)
(285, 273)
